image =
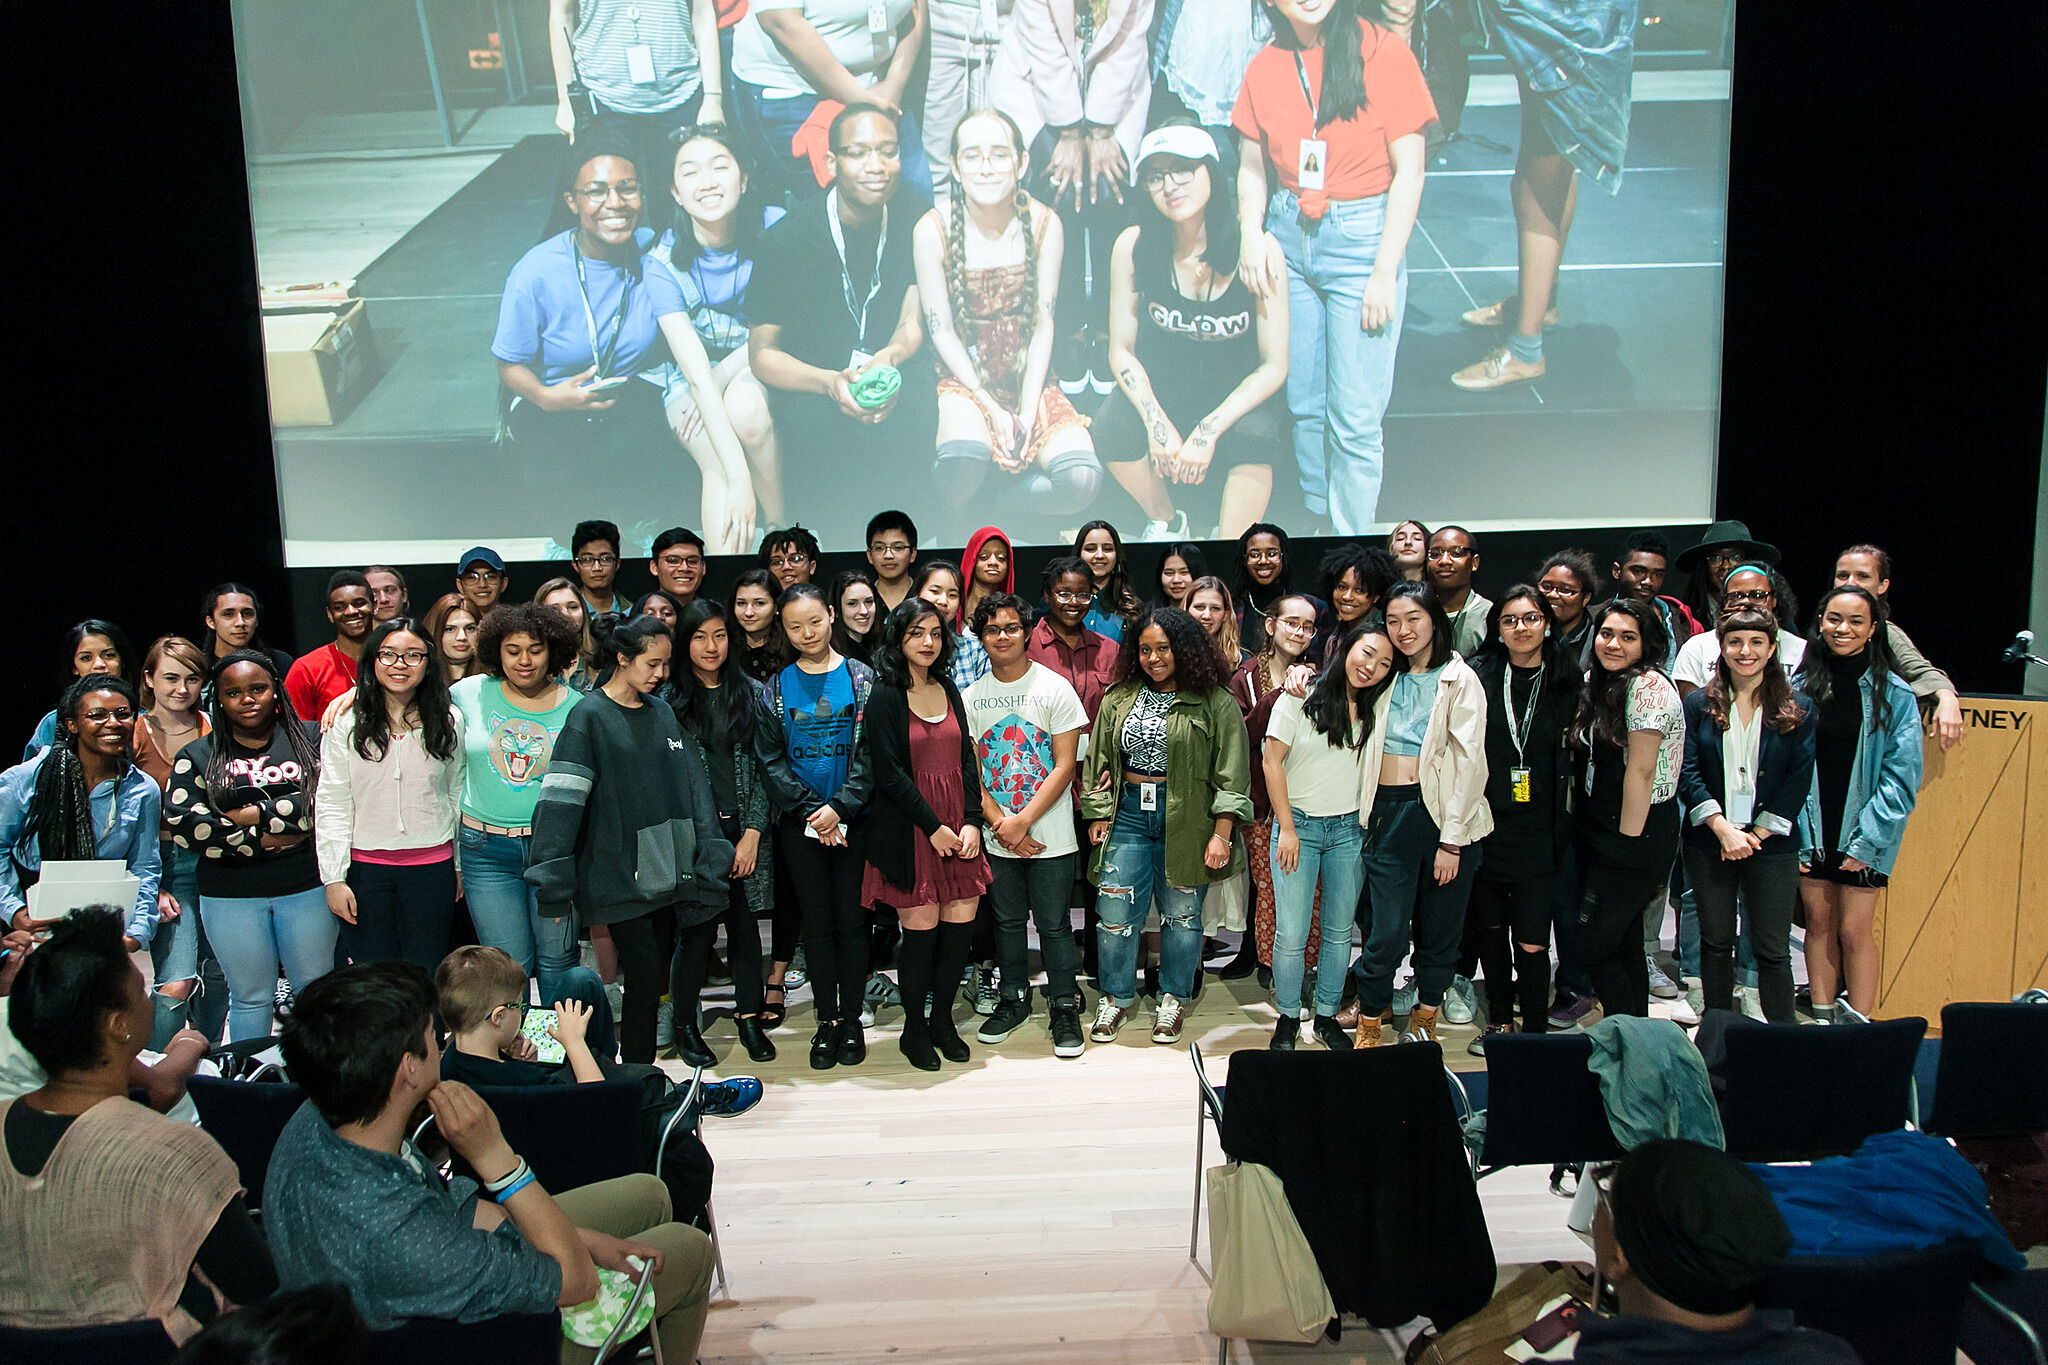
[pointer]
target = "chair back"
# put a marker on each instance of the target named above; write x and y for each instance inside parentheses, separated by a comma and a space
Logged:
(573, 1135)
(1543, 1105)
(246, 1120)
(131, 1343)
(514, 1339)
(1901, 1308)
(1212, 1095)
(1993, 1077)
(1797, 1093)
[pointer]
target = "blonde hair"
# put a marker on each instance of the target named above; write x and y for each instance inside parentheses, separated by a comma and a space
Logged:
(180, 650)
(1229, 643)
(474, 980)
(586, 653)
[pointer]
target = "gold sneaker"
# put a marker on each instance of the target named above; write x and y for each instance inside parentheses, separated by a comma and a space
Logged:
(1369, 1026)
(1496, 371)
(1502, 313)
(1422, 1024)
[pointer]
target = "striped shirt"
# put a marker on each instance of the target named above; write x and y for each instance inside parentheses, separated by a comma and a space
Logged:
(606, 29)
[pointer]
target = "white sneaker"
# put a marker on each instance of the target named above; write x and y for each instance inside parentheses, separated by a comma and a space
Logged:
(1461, 1005)
(1109, 1017)
(1749, 1002)
(1685, 1010)
(1661, 986)
(1166, 1026)
(1156, 532)
(665, 1024)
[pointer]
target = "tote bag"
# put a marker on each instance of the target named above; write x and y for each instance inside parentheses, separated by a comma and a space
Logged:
(1267, 1286)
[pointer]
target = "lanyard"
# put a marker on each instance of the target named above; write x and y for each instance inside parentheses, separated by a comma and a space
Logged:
(1301, 74)
(859, 314)
(601, 357)
(1518, 732)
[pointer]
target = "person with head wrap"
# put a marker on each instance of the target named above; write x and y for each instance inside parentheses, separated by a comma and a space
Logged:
(1687, 1234)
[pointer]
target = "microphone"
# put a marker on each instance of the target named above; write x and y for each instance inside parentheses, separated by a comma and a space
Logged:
(2022, 645)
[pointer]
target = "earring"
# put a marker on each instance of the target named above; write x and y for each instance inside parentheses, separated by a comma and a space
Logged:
(127, 1037)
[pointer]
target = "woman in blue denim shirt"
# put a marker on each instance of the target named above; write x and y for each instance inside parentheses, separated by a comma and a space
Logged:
(1867, 763)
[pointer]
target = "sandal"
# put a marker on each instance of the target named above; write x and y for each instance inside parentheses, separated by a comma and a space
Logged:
(773, 1012)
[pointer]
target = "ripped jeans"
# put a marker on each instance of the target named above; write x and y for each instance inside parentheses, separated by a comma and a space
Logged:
(1133, 871)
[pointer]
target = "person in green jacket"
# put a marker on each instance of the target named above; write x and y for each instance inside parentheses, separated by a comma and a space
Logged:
(1168, 780)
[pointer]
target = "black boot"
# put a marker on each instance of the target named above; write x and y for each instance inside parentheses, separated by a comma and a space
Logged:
(755, 1039)
(955, 945)
(1247, 960)
(825, 1045)
(690, 1046)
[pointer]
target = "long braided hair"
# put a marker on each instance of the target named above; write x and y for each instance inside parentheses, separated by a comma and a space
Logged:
(305, 748)
(956, 237)
(59, 812)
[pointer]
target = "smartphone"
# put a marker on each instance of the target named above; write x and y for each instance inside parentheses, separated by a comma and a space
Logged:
(600, 385)
(1558, 1322)
(534, 1028)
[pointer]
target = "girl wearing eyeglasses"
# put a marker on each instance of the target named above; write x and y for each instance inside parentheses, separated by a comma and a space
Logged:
(384, 829)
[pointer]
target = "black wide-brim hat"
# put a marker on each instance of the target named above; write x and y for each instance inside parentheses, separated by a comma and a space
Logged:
(1726, 535)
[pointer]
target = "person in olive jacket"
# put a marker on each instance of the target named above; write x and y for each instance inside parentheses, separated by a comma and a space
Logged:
(1168, 780)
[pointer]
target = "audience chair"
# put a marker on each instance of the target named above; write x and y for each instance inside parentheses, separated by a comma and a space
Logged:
(1901, 1308)
(1208, 1109)
(1798, 1093)
(131, 1343)
(1992, 1080)
(2004, 1322)
(572, 1135)
(515, 1339)
(642, 1288)
(1540, 1102)
(246, 1120)
(685, 1119)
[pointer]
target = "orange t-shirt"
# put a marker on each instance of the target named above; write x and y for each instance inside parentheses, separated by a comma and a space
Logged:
(1273, 111)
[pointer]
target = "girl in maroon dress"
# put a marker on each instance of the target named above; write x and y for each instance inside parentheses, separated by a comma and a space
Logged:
(921, 835)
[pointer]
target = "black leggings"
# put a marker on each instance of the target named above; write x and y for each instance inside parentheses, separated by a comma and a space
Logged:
(692, 962)
(645, 946)
(1504, 914)
(827, 882)
(1611, 930)
(787, 926)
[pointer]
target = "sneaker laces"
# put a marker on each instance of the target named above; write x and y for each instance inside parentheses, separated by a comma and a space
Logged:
(1106, 1012)
(1169, 1011)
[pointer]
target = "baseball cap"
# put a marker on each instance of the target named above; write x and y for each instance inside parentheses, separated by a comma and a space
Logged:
(480, 554)
(1175, 139)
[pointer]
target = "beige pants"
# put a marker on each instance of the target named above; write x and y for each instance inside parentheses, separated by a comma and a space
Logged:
(636, 1208)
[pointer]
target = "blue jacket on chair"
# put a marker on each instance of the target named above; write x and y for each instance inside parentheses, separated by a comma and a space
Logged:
(1784, 777)
(1882, 784)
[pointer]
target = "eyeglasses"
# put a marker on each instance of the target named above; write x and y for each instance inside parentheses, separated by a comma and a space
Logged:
(1072, 597)
(861, 151)
(1530, 618)
(1158, 180)
(1753, 595)
(100, 715)
(627, 190)
(999, 157)
(788, 561)
(888, 547)
(595, 561)
(1560, 589)
(479, 576)
(519, 1007)
(414, 657)
(681, 561)
(1449, 552)
(999, 631)
(1262, 556)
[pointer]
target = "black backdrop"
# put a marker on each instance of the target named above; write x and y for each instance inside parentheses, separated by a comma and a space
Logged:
(1886, 324)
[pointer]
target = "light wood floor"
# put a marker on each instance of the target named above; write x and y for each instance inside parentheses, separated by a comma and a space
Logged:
(1017, 1208)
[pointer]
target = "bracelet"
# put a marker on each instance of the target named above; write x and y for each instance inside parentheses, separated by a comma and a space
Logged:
(525, 1179)
(1452, 849)
(510, 1178)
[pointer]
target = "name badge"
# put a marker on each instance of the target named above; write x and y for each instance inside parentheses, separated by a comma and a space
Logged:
(1518, 783)
(989, 18)
(1148, 796)
(640, 63)
(1741, 810)
(878, 17)
(1312, 161)
(859, 359)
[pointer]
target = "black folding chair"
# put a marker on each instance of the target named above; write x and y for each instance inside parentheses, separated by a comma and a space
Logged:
(1901, 1308)
(1992, 1080)
(246, 1120)
(1799, 1093)
(1208, 1109)
(131, 1343)
(572, 1135)
(1541, 1105)
(2005, 1322)
(514, 1339)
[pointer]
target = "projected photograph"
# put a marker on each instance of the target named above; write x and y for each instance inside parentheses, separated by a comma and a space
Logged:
(1180, 265)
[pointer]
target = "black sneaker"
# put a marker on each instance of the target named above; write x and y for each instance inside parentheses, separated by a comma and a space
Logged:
(1067, 1038)
(1004, 1022)
(1332, 1034)
(1284, 1034)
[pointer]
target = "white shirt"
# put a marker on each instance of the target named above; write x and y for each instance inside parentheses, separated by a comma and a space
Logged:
(843, 24)
(1014, 724)
(409, 800)
(1696, 656)
(1741, 745)
(1322, 779)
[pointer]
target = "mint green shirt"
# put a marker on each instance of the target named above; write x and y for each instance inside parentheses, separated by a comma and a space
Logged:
(505, 750)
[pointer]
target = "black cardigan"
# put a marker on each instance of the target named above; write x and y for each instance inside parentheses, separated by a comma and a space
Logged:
(899, 814)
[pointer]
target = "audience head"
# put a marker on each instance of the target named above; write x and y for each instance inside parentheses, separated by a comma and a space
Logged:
(1645, 560)
(753, 606)
(96, 646)
(479, 987)
(78, 1005)
(350, 608)
(1355, 579)
(938, 582)
(526, 646)
(230, 612)
(317, 1325)
(1262, 567)
(173, 675)
(892, 545)
(791, 554)
(1452, 558)
(452, 627)
(1069, 589)
(710, 184)
(1180, 564)
(865, 156)
(595, 549)
(918, 632)
(1868, 568)
(1418, 626)
(604, 192)
(480, 578)
(1340, 705)
(1181, 173)
(360, 1040)
(387, 593)
(634, 652)
(1569, 585)
(1002, 622)
(806, 621)
(1210, 605)
(1167, 650)
(1684, 1229)
(677, 563)
(659, 605)
(1408, 543)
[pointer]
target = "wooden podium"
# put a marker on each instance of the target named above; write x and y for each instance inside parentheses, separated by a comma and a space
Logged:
(1966, 916)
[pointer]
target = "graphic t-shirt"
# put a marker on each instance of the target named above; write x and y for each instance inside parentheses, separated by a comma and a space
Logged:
(505, 750)
(1014, 724)
(817, 723)
(1653, 705)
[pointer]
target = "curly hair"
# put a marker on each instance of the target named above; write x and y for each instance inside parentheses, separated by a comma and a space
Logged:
(890, 665)
(1197, 667)
(1026, 306)
(1372, 566)
(546, 625)
(988, 606)
(1781, 709)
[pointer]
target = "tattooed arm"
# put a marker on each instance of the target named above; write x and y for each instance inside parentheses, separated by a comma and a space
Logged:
(1161, 440)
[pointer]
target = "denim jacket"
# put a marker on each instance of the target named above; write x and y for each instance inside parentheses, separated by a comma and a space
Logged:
(1882, 785)
(126, 811)
(1578, 58)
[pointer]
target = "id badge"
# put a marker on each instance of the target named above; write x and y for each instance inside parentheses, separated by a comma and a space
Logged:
(1313, 160)
(640, 63)
(878, 17)
(859, 359)
(1518, 781)
(990, 19)
(1148, 796)
(1741, 810)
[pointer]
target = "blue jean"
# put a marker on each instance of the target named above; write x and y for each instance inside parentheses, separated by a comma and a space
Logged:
(251, 935)
(180, 952)
(1339, 378)
(507, 915)
(767, 125)
(1331, 848)
(1133, 872)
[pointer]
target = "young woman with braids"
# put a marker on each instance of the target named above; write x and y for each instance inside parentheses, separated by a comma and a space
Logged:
(80, 799)
(1265, 574)
(384, 831)
(242, 796)
(92, 646)
(988, 271)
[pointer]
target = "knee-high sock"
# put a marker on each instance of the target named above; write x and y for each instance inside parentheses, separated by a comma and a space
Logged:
(956, 941)
(1066, 484)
(914, 974)
(959, 470)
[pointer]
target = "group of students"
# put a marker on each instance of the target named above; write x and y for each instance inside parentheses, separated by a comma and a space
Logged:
(1169, 212)
(919, 744)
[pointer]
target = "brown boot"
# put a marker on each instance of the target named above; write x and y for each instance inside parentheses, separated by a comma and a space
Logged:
(1369, 1026)
(1347, 1017)
(1422, 1023)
